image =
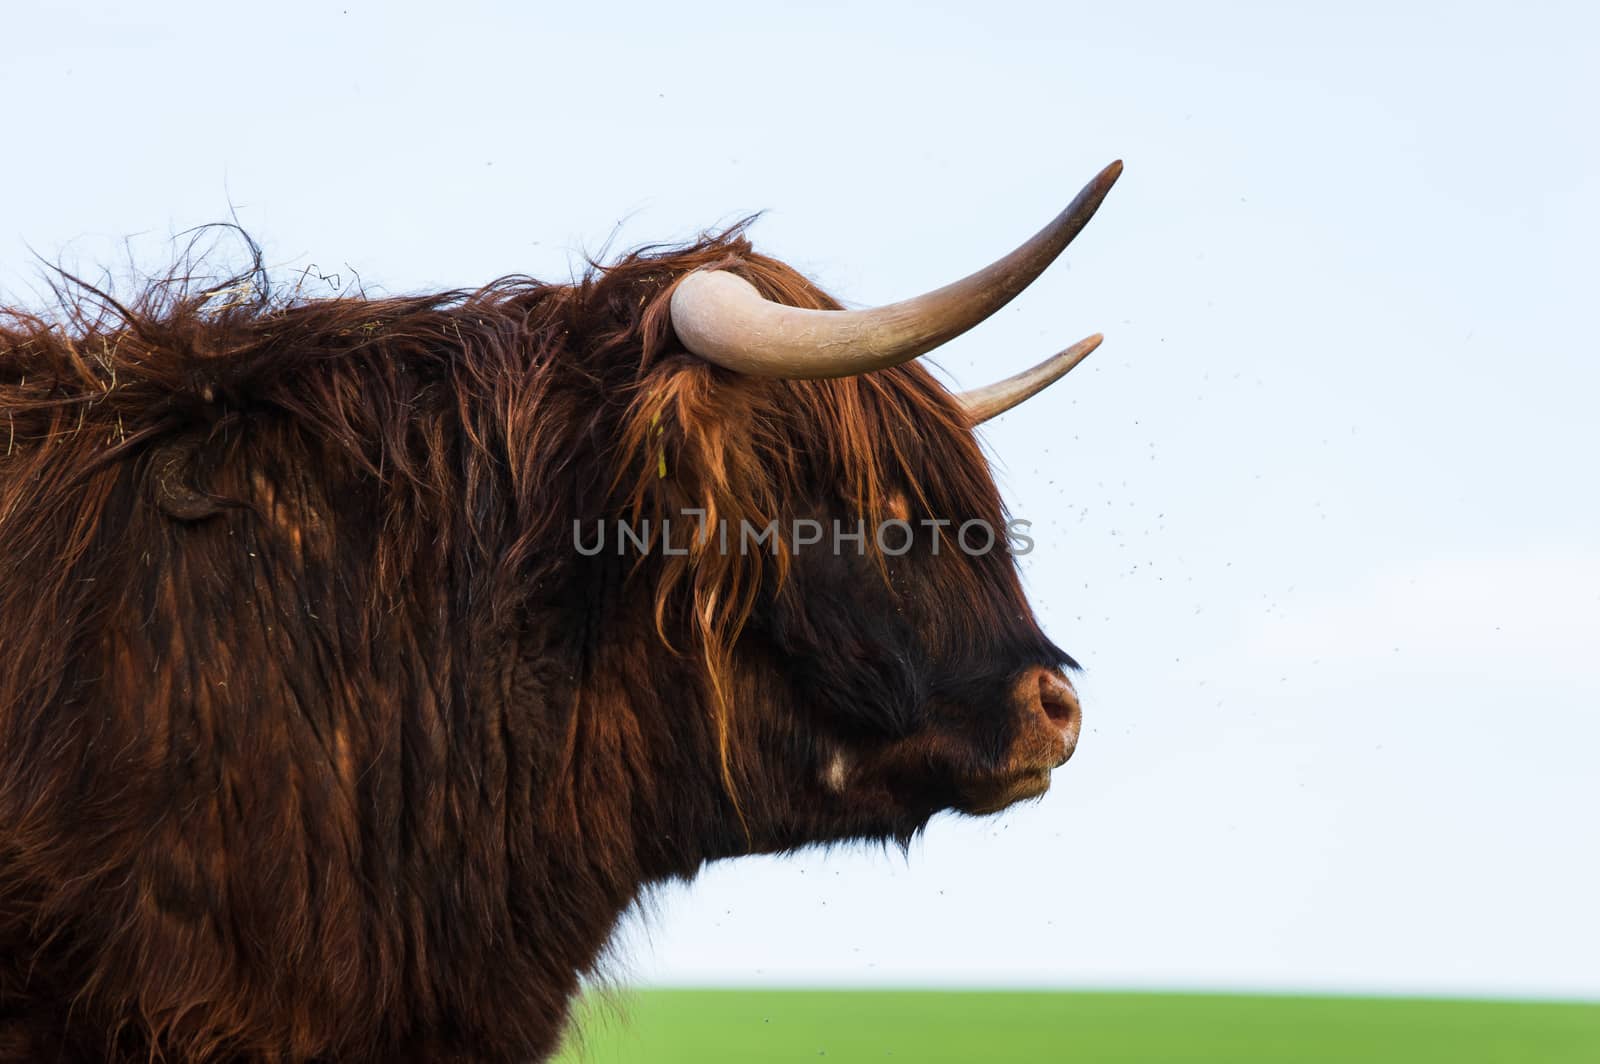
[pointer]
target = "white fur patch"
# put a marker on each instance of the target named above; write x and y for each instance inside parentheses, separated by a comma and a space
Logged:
(836, 773)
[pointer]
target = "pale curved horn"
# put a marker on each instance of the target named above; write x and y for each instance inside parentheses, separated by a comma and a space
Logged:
(981, 404)
(723, 319)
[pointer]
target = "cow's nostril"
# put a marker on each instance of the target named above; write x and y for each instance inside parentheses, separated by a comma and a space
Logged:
(1059, 700)
(1051, 721)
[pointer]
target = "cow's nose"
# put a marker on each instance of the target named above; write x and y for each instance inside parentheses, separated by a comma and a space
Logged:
(1048, 698)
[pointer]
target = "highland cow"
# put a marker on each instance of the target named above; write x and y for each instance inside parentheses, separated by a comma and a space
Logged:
(320, 740)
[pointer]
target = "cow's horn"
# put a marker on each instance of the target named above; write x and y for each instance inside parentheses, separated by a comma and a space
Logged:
(723, 319)
(981, 404)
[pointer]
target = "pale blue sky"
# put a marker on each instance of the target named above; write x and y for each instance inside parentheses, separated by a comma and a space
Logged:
(1319, 518)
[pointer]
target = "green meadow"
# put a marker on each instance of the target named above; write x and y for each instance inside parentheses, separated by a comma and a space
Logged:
(705, 1026)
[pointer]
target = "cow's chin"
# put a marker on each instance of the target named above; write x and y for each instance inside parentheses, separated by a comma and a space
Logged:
(980, 798)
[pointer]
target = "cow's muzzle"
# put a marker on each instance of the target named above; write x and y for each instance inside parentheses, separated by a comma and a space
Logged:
(1049, 719)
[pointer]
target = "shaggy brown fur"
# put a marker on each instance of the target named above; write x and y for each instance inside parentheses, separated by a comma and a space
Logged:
(319, 741)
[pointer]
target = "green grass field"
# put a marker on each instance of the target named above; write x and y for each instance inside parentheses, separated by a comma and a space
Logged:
(664, 1026)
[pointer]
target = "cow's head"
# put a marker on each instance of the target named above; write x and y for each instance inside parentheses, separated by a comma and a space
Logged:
(838, 564)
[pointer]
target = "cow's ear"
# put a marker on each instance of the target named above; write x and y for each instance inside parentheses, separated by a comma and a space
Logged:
(695, 453)
(688, 447)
